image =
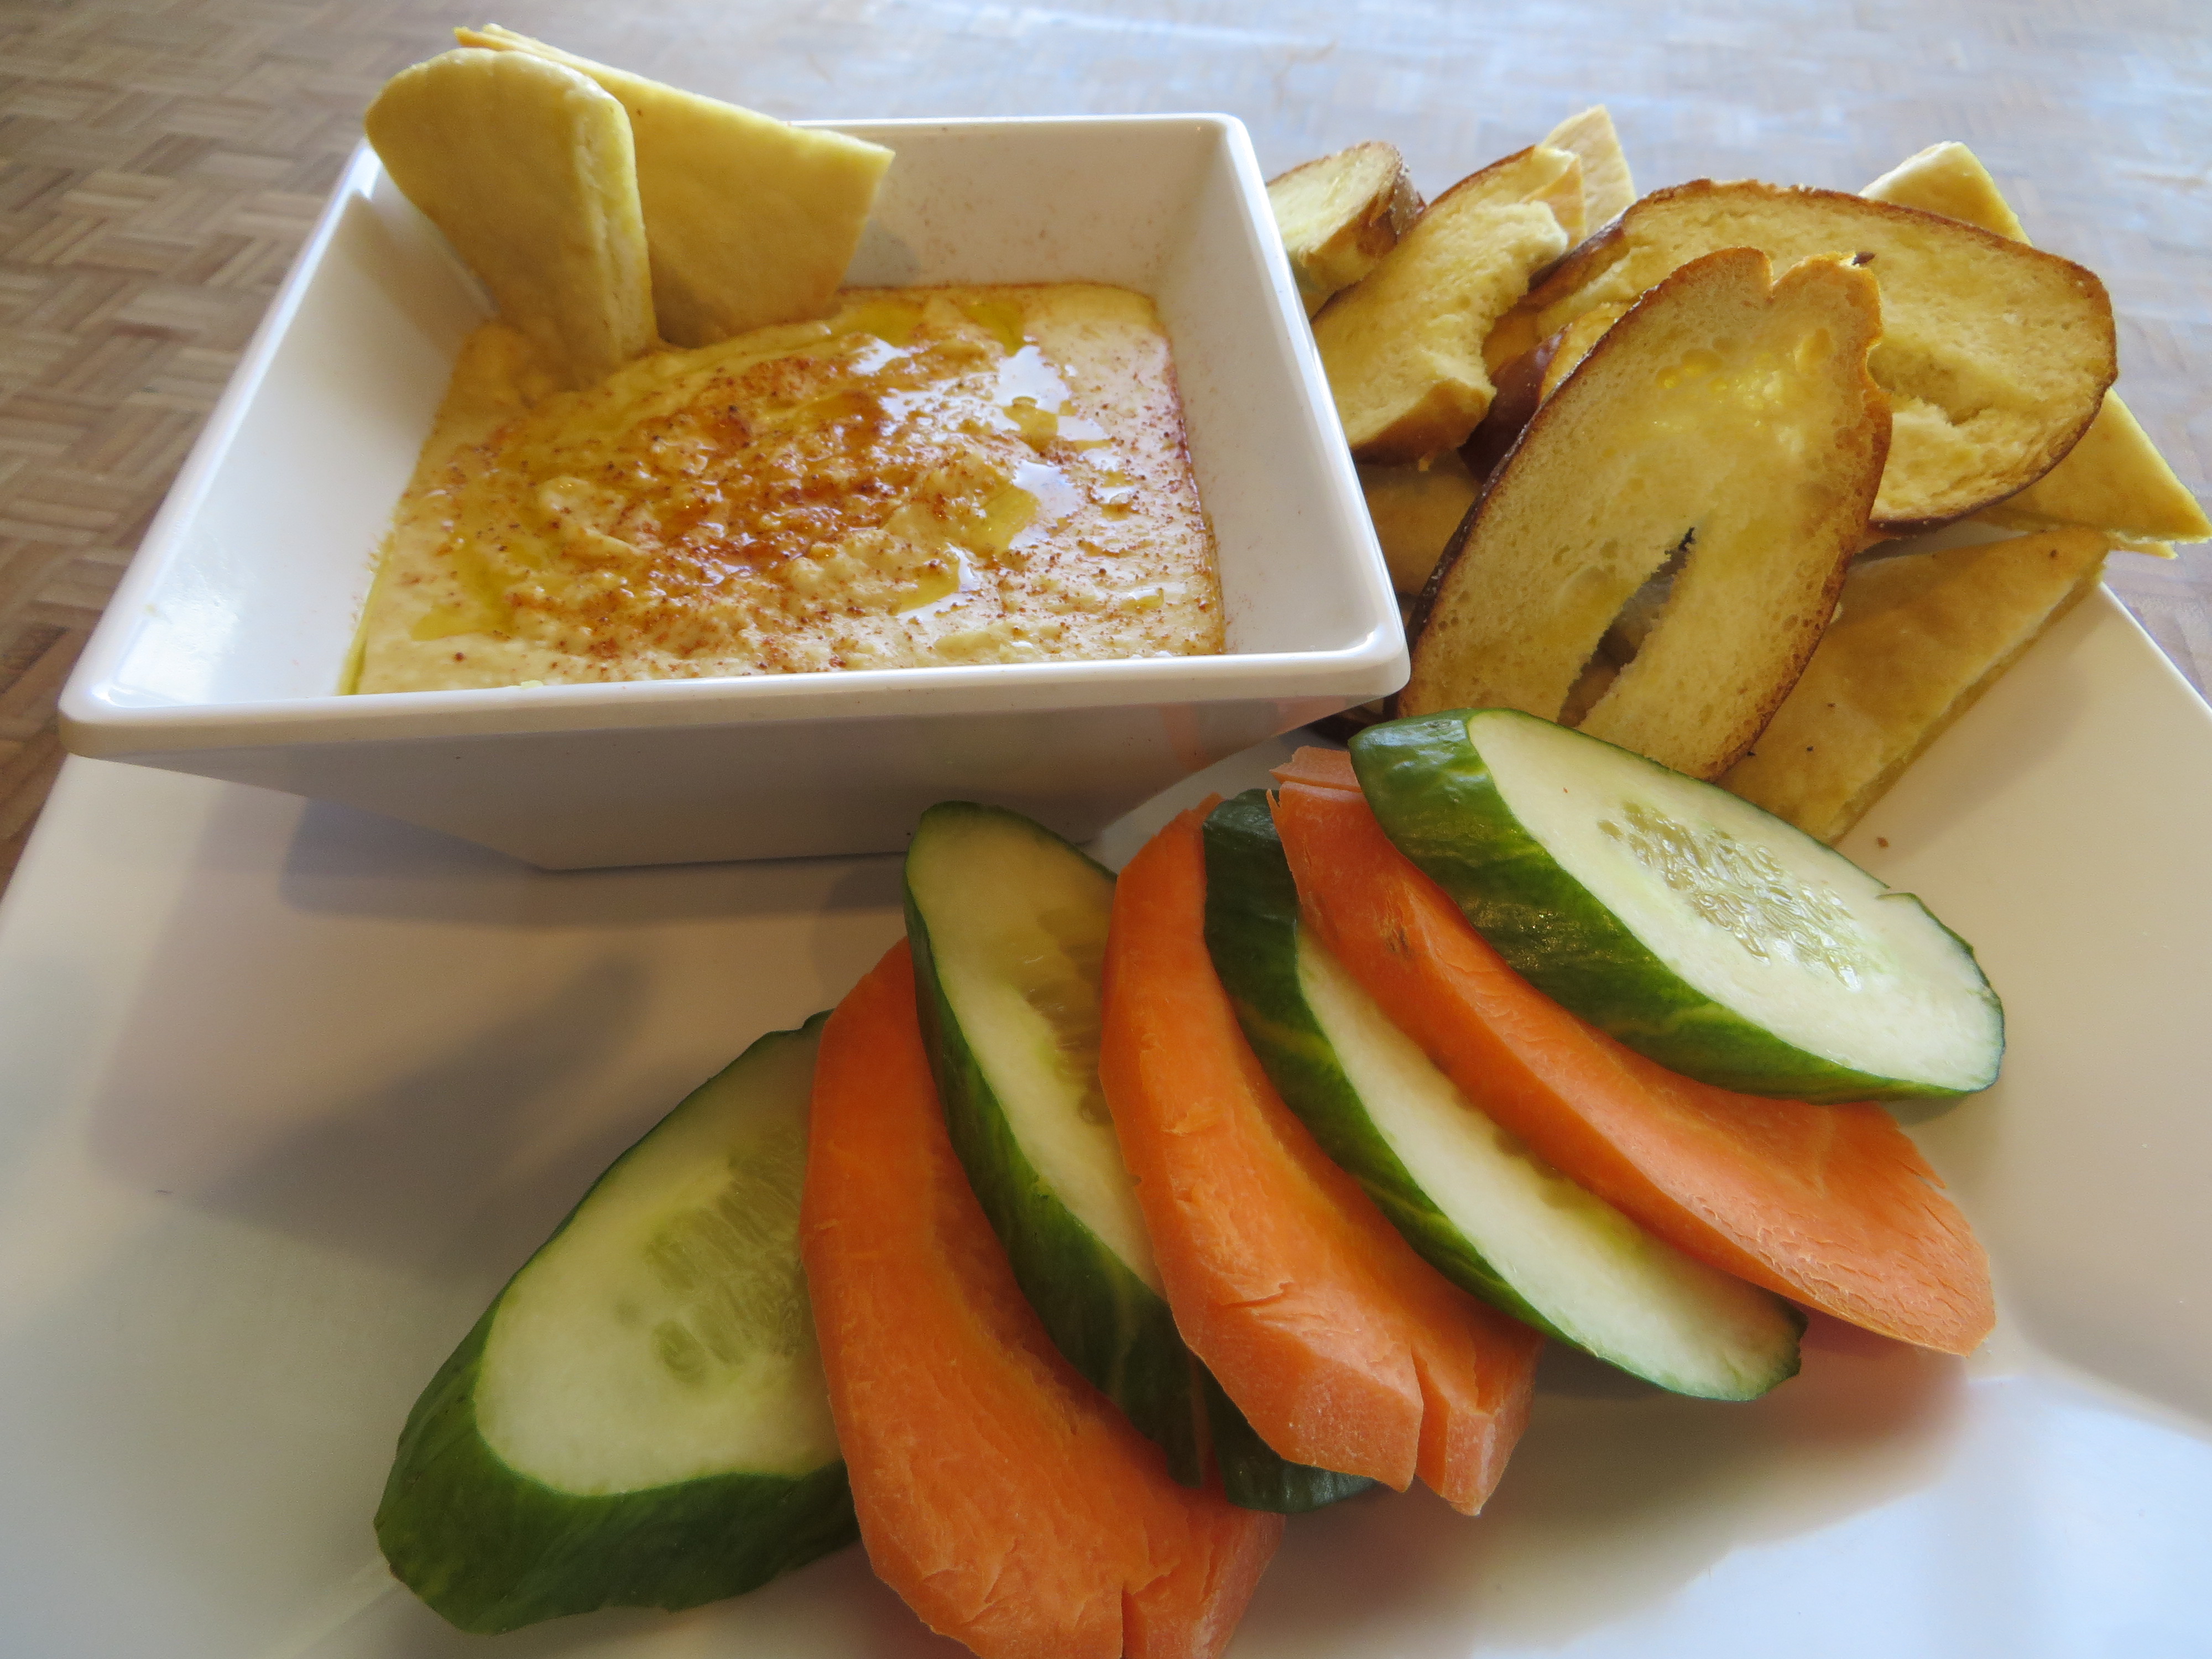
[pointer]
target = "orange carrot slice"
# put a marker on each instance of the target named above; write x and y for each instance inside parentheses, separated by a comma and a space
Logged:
(1831, 1204)
(1344, 1348)
(1008, 1500)
(1326, 768)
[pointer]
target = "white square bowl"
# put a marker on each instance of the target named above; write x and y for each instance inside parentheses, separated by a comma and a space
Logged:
(223, 651)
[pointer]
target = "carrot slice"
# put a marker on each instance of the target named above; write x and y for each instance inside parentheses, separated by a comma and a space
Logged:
(1326, 768)
(1831, 1204)
(1008, 1500)
(1341, 1346)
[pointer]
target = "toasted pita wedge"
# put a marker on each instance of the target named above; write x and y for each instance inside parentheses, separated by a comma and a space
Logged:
(1678, 431)
(750, 220)
(2114, 479)
(1949, 180)
(527, 168)
(1996, 356)
(1340, 213)
(1608, 188)
(1916, 639)
(1403, 347)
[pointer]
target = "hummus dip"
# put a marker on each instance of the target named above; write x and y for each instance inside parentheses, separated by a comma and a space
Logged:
(932, 476)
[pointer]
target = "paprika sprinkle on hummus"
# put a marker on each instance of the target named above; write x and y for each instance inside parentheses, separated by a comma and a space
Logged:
(929, 477)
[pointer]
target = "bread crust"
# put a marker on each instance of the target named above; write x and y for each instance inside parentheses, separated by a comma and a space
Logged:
(1328, 256)
(1404, 348)
(1532, 579)
(1531, 175)
(2019, 396)
(2114, 480)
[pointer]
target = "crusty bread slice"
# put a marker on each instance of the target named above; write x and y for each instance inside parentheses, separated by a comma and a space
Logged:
(1608, 187)
(2114, 479)
(1996, 356)
(1917, 638)
(1605, 191)
(750, 220)
(1414, 510)
(528, 168)
(1340, 214)
(1541, 172)
(1403, 347)
(1572, 344)
(1724, 410)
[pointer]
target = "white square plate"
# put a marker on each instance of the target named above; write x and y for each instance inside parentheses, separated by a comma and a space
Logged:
(289, 1089)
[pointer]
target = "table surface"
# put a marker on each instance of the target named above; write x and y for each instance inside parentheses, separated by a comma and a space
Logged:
(160, 161)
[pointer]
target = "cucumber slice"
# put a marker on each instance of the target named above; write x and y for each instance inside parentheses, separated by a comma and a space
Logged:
(1252, 1475)
(1485, 1211)
(1713, 937)
(1008, 925)
(640, 1418)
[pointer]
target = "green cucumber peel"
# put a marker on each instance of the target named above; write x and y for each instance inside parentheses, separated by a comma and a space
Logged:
(1115, 1328)
(1108, 1323)
(1443, 804)
(1556, 1258)
(1252, 931)
(1253, 1476)
(491, 1548)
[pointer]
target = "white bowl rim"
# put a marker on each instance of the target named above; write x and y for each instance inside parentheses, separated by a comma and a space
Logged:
(96, 720)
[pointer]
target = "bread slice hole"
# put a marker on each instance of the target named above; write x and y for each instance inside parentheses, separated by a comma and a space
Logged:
(1625, 636)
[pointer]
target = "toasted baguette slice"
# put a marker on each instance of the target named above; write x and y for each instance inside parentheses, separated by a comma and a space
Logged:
(1572, 344)
(1996, 356)
(528, 169)
(1720, 412)
(1415, 510)
(1608, 187)
(1606, 190)
(1917, 638)
(1403, 348)
(1340, 213)
(1514, 346)
(1601, 188)
(750, 220)
(2114, 479)
(1538, 174)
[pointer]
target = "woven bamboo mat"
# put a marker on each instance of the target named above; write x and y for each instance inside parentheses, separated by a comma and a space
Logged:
(161, 160)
